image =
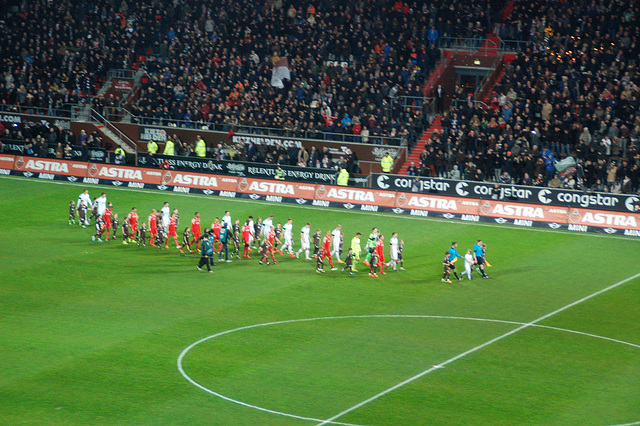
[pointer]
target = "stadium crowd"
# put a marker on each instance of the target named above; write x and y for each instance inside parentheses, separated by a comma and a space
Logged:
(572, 92)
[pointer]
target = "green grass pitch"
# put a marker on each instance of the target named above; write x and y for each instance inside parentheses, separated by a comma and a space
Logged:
(91, 333)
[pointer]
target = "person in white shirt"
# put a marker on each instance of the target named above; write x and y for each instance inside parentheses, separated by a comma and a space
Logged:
(166, 215)
(266, 225)
(305, 242)
(251, 228)
(393, 252)
(337, 242)
(287, 229)
(101, 201)
(469, 261)
(227, 219)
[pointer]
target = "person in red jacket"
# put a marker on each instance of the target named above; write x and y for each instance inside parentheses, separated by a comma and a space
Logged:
(326, 250)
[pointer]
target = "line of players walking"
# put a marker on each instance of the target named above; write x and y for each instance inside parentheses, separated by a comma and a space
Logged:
(473, 257)
(226, 238)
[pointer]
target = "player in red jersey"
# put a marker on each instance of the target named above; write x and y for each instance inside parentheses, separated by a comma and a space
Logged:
(133, 223)
(215, 228)
(106, 217)
(196, 230)
(380, 253)
(270, 242)
(153, 227)
(246, 239)
(173, 232)
(326, 250)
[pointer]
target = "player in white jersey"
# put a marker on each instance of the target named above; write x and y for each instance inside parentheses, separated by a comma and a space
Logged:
(287, 230)
(393, 252)
(305, 241)
(166, 216)
(336, 235)
(251, 234)
(101, 201)
(227, 219)
(266, 226)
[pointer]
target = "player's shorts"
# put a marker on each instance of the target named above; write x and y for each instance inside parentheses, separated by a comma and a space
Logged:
(481, 260)
(172, 233)
(399, 255)
(305, 245)
(107, 224)
(446, 268)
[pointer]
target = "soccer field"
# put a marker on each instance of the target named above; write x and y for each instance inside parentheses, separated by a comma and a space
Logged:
(106, 333)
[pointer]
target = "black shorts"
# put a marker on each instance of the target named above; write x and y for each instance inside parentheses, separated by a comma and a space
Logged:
(480, 260)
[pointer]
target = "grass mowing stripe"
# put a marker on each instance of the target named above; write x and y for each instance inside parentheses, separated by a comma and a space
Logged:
(477, 348)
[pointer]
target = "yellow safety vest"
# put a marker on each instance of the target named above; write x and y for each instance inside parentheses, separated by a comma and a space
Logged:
(152, 147)
(201, 148)
(386, 163)
(169, 148)
(343, 178)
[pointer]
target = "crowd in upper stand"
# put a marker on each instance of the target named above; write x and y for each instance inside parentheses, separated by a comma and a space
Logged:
(572, 91)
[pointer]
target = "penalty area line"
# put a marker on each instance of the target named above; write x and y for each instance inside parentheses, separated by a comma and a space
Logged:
(477, 348)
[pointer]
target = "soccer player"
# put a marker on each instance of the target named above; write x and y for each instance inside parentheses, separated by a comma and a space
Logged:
(175, 212)
(268, 246)
(287, 230)
(101, 204)
(153, 227)
(319, 264)
(257, 231)
(72, 212)
(173, 232)
(370, 246)
(133, 222)
(317, 238)
(349, 262)
(115, 223)
(186, 236)
(266, 225)
(326, 250)
(227, 219)
(356, 250)
(126, 230)
(393, 252)
(224, 241)
(142, 235)
(336, 235)
(252, 227)
(166, 215)
(162, 233)
(215, 228)
(380, 253)
(246, 238)
(206, 253)
(99, 229)
(305, 242)
(469, 261)
(195, 229)
(106, 217)
(94, 210)
(478, 257)
(453, 256)
(446, 266)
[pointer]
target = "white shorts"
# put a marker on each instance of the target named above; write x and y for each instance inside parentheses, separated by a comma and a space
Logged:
(305, 245)
(394, 254)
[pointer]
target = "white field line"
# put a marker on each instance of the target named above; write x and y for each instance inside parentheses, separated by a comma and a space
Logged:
(336, 209)
(477, 348)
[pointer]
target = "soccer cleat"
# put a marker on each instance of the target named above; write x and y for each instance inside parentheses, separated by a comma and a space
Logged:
(351, 273)
(375, 275)
(370, 274)
(342, 270)
(99, 240)
(366, 263)
(334, 269)
(199, 268)
(292, 255)
(93, 238)
(340, 261)
(307, 258)
(402, 269)
(279, 252)
(297, 255)
(395, 270)
(383, 273)
(181, 251)
(485, 277)
(459, 278)
(125, 242)
(228, 261)
(275, 262)
(260, 262)
(448, 281)
(211, 272)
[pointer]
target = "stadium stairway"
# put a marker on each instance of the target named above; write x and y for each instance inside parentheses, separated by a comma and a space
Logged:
(415, 154)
